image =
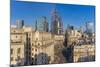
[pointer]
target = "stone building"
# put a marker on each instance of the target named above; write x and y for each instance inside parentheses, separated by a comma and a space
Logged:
(31, 47)
(17, 46)
(84, 53)
(72, 37)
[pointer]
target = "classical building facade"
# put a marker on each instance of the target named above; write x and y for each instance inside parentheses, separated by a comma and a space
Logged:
(42, 42)
(29, 47)
(72, 36)
(84, 53)
(17, 46)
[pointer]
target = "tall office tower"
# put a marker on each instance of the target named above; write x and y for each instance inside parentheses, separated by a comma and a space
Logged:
(20, 24)
(89, 27)
(46, 25)
(56, 23)
(42, 24)
(70, 28)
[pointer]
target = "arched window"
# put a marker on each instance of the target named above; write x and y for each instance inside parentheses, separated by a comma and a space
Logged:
(32, 54)
(11, 51)
(38, 44)
(32, 48)
(18, 51)
(35, 49)
(11, 58)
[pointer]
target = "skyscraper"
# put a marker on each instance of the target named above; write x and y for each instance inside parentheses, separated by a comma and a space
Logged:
(56, 23)
(42, 24)
(20, 24)
(89, 27)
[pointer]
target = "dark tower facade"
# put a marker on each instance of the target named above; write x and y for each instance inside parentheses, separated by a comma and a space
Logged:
(42, 24)
(20, 24)
(56, 23)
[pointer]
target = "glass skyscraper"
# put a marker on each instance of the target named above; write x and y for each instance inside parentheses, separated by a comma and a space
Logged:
(19, 24)
(42, 24)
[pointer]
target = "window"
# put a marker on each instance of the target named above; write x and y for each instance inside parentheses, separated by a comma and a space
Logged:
(35, 49)
(32, 59)
(11, 51)
(14, 31)
(32, 54)
(38, 44)
(18, 50)
(11, 58)
(16, 36)
(32, 44)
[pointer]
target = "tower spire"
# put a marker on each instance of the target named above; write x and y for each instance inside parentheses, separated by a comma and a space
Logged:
(56, 24)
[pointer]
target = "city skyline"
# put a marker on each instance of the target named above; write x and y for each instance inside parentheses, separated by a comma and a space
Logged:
(70, 14)
(70, 37)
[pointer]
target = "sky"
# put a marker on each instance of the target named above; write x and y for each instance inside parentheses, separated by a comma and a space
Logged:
(76, 15)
